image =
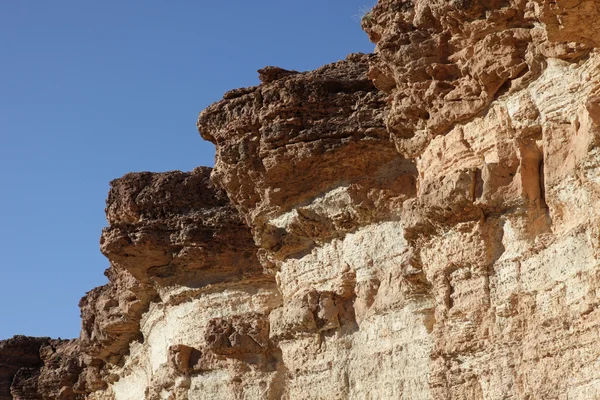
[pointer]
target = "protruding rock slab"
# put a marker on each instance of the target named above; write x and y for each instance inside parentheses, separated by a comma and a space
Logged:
(284, 145)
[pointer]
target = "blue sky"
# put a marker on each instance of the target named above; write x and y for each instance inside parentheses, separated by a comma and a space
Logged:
(91, 90)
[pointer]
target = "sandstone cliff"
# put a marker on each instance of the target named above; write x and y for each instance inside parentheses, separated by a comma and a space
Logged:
(418, 223)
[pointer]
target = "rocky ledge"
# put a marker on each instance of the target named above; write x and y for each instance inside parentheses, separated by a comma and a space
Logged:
(417, 223)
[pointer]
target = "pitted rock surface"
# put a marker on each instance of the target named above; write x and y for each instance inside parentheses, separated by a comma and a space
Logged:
(417, 223)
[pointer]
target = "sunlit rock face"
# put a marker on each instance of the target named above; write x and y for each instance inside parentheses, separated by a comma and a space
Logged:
(418, 223)
(183, 265)
(445, 62)
(307, 160)
(465, 264)
(498, 104)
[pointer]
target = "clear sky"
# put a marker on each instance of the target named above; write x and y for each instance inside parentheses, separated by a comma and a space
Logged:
(91, 90)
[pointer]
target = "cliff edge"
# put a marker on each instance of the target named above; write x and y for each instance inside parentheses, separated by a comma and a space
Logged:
(417, 223)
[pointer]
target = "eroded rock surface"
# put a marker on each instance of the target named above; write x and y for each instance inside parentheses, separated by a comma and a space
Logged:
(445, 62)
(180, 256)
(418, 223)
(19, 360)
(39, 368)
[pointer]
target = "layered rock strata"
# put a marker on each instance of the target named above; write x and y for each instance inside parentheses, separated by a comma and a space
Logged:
(181, 258)
(419, 223)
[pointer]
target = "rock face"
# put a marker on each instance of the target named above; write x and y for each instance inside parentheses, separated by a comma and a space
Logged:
(20, 359)
(419, 223)
(180, 257)
(38, 368)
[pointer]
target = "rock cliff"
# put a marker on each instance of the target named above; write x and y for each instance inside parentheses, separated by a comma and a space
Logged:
(417, 223)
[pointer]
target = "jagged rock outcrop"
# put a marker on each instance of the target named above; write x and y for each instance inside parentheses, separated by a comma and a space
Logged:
(20, 360)
(38, 368)
(445, 62)
(178, 251)
(165, 230)
(418, 223)
(285, 143)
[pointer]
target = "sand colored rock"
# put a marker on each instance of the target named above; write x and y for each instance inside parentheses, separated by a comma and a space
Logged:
(418, 223)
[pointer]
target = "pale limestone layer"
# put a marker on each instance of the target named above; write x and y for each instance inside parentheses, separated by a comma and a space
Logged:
(380, 347)
(149, 372)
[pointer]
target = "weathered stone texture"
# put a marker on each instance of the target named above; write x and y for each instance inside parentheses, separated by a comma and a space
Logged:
(19, 361)
(418, 223)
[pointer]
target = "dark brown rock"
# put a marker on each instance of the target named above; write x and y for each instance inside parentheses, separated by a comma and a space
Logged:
(173, 228)
(20, 359)
(62, 367)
